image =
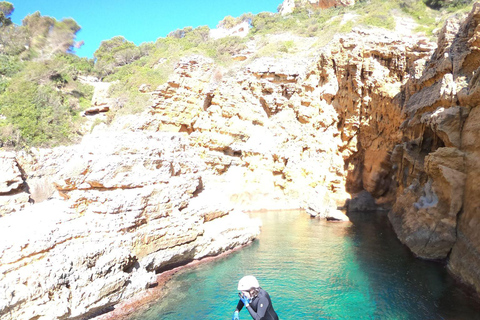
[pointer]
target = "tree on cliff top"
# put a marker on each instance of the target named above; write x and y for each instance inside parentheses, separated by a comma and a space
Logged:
(6, 10)
(229, 22)
(49, 36)
(115, 52)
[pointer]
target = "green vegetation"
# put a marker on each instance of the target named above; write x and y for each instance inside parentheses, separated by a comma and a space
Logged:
(41, 97)
(448, 4)
(6, 9)
(309, 21)
(156, 62)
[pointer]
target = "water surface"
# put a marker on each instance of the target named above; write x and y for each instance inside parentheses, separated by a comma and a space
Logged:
(315, 269)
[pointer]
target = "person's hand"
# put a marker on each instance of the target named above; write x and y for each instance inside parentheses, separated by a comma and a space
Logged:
(245, 300)
(235, 316)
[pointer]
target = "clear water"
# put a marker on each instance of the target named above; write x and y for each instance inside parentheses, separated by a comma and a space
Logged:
(314, 269)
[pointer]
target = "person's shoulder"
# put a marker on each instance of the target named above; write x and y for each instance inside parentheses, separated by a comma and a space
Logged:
(263, 292)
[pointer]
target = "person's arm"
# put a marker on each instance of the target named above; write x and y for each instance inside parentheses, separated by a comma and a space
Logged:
(240, 305)
(261, 309)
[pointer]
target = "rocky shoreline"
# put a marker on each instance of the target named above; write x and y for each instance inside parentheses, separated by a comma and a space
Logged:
(141, 301)
(125, 209)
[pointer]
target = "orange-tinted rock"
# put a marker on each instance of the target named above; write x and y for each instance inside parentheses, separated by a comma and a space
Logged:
(436, 210)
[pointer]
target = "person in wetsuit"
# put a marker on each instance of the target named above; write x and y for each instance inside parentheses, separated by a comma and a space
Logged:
(255, 299)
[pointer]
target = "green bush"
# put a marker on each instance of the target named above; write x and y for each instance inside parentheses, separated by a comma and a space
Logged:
(10, 65)
(41, 103)
(77, 65)
(439, 4)
(385, 21)
(3, 84)
(227, 46)
(35, 111)
(229, 22)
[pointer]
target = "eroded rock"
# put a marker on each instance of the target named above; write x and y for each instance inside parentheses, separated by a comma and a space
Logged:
(435, 212)
(127, 205)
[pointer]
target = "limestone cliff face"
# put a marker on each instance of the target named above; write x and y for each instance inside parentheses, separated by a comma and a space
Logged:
(438, 163)
(374, 113)
(297, 132)
(288, 6)
(361, 75)
(125, 206)
(264, 148)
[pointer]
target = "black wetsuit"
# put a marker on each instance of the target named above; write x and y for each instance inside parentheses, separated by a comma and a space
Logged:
(261, 307)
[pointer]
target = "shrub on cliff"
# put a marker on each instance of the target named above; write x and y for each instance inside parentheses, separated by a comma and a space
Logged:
(40, 101)
(439, 4)
(113, 53)
(229, 22)
(10, 65)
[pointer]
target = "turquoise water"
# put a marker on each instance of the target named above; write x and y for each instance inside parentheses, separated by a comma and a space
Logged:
(314, 269)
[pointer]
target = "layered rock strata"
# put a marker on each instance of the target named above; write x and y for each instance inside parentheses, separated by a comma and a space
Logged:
(296, 132)
(125, 207)
(264, 150)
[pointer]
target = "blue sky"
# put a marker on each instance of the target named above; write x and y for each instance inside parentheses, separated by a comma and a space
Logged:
(138, 21)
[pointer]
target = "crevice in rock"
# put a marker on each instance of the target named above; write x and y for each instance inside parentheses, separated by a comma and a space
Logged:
(186, 128)
(228, 151)
(96, 312)
(12, 192)
(264, 104)
(199, 187)
(459, 216)
(208, 101)
(43, 251)
(432, 233)
(171, 266)
(131, 264)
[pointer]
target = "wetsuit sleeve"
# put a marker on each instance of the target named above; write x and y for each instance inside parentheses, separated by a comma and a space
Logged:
(261, 309)
(240, 305)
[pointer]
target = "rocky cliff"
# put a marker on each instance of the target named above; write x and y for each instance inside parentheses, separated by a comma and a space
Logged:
(437, 163)
(374, 119)
(270, 133)
(122, 207)
(295, 131)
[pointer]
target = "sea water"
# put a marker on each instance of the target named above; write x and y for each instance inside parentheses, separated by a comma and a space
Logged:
(315, 269)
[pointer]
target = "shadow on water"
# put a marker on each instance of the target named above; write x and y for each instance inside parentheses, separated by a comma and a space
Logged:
(314, 269)
(418, 289)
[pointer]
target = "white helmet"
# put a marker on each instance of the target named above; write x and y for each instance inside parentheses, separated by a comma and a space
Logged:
(247, 283)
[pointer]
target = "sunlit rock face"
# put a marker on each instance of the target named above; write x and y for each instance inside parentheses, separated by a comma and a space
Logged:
(126, 205)
(296, 132)
(458, 129)
(288, 6)
(13, 196)
(437, 162)
(362, 75)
